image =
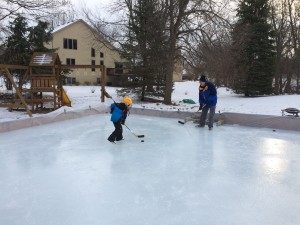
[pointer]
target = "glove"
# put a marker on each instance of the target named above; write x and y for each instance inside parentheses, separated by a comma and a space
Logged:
(201, 107)
(123, 122)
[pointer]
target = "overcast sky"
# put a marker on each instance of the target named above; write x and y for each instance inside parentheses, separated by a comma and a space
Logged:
(90, 3)
(99, 6)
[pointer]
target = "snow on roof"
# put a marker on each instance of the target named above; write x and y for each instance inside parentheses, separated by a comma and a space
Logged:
(60, 27)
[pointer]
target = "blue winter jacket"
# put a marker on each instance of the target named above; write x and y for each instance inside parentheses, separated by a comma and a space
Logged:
(118, 112)
(208, 95)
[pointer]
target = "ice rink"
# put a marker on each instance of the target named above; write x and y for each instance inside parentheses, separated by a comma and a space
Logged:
(67, 173)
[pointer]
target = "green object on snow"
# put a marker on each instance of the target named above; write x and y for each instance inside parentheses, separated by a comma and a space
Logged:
(189, 101)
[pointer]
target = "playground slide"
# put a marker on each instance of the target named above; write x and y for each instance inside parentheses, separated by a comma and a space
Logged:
(65, 98)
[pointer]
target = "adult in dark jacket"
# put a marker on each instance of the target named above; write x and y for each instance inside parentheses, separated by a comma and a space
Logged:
(207, 101)
(119, 113)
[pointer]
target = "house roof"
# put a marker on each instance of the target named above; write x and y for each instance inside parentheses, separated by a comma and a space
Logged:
(60, 27)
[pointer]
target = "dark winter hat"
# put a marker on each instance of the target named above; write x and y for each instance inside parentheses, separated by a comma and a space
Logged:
(203, 78)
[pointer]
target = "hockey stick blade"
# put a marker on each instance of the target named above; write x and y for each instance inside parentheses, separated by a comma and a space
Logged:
(138, 136)
(181, 122)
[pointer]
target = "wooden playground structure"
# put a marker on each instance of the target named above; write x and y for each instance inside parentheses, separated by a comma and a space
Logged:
(45, 75)
(18, 100)
(45, 82)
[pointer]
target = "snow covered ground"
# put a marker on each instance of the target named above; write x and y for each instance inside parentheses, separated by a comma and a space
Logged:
(67, 173)
(83, 98)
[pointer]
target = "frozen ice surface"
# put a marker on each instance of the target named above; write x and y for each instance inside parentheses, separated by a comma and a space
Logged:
(67, 173)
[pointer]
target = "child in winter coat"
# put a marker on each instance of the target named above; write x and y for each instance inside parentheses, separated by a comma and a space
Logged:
(119, 113)
(207, 101)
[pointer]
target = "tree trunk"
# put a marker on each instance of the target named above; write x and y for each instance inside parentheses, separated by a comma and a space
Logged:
(298, 74)
(170, 68)
(277, 89)
(170, 63)
(176, 16)
(143, 89)
(169, 81)
(288, 87)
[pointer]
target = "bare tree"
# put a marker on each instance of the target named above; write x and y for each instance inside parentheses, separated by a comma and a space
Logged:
(209, 51)
(187, 18)
(29, 7)
(281, 27)
(285, 20)
(294, 20)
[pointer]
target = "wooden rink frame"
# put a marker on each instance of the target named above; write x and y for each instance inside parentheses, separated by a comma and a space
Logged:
(289, 123)
(42, 82)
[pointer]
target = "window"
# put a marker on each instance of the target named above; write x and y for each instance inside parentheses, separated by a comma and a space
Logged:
(118, 65)
(75, 44)
(70, 43)
(98, 80)
(93, 52)
(101, 55)
(93, 63)
(101, 62)
(118, 68)
(71, 80)
(65, 43)
(70, 61)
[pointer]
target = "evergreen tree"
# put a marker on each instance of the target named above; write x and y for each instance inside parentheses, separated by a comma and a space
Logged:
(253, 45)
(22, 42)
(145, 48)
(16, 45)
(16, 48)
(38, 36)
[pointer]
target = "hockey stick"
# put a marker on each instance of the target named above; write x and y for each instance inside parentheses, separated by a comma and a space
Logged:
(108, 95)
(181, 122)
(138, 136)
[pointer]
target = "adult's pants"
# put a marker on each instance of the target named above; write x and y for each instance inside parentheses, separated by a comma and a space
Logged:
(211, 115)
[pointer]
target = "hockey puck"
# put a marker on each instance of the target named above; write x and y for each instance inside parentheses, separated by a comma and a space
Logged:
(142, 140)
